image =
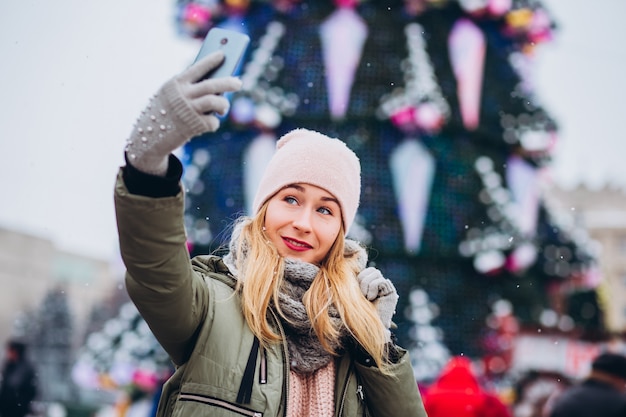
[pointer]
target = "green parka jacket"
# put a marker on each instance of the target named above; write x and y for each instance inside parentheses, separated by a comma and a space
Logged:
(195, 315)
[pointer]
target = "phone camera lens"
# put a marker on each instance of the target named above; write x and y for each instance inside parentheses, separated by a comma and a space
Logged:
(224, 41)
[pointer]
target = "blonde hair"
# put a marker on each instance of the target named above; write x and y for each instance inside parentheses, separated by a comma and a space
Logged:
(261, 271)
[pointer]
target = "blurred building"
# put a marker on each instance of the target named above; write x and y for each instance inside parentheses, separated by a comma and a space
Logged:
(31, 267)
(602, 212)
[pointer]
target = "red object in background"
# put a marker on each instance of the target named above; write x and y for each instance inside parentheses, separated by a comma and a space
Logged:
(346, 3)
(457, 392)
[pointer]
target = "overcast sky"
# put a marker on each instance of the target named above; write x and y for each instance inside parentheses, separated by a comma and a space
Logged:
(75, 74)
(580, 79)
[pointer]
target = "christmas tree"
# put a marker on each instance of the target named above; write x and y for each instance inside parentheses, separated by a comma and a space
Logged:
(51, 345)
(436, 98)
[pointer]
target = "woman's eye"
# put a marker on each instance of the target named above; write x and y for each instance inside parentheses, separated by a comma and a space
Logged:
(291, 200)
(325, 210)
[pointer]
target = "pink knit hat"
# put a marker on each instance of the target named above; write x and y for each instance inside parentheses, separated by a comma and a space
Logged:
(305, 156)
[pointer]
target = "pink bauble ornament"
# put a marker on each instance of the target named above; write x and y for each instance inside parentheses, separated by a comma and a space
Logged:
(522, 257)
(196, 19)
(196, 14)
(404, 118)
(540, 27)
(497, 8)
(346, 3)
(489, 262)
(428, 117)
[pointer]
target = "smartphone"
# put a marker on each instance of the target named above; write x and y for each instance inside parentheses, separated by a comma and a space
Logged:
(232, 43)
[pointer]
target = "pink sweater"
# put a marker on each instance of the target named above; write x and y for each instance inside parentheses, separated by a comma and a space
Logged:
(312, 395)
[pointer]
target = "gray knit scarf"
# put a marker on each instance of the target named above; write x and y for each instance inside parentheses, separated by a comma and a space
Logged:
(305, 350)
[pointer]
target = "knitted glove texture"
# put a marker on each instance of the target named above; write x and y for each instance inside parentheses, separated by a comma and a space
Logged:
(183, 108)
(380, 291)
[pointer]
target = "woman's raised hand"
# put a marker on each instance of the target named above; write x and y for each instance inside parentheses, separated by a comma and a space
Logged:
(381, 291)
(183, 108)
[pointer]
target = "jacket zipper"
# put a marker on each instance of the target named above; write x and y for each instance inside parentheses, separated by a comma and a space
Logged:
(345, 390)
(286, 355)
(263, 368)
(219, 403)
(359, 391)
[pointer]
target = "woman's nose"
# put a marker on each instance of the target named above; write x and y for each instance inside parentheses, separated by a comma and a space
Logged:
(302, 220)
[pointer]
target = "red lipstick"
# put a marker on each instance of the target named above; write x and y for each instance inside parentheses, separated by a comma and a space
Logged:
(296, 245)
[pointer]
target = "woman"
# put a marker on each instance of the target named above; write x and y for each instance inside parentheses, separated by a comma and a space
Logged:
(290, 322)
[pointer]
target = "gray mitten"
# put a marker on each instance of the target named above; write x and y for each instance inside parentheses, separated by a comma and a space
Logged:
(380, 291)
(183, 108)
